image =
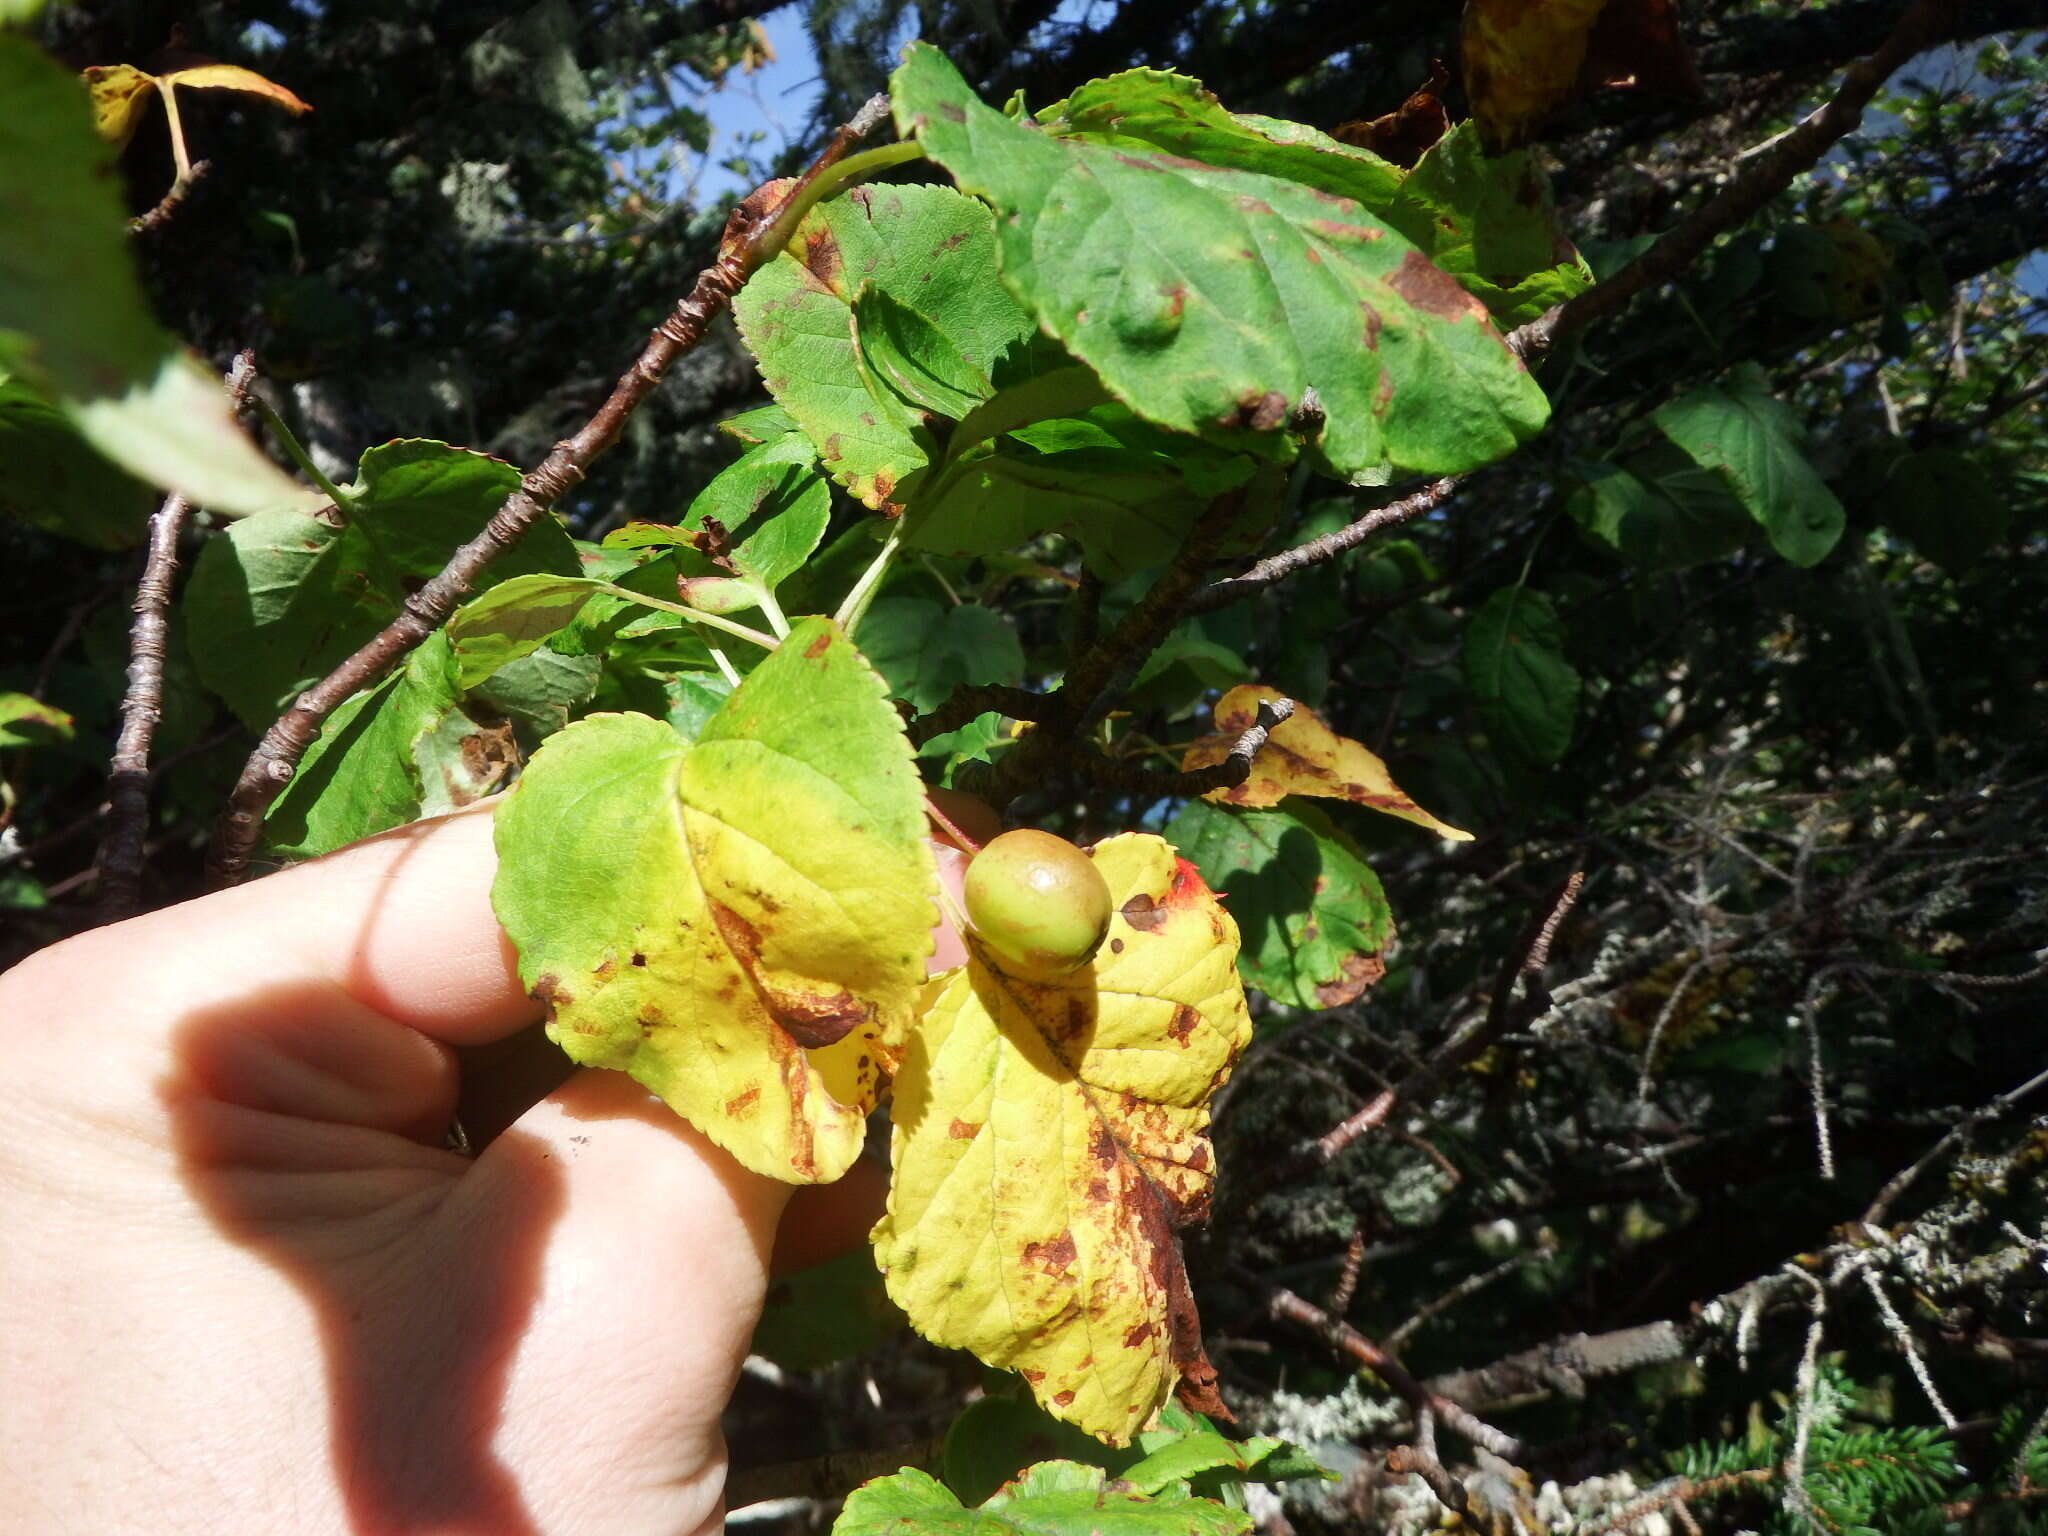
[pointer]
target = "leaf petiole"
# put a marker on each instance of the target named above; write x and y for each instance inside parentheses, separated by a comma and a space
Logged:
(767, 642)
(835, 179)
(292, 447)
(854, 606)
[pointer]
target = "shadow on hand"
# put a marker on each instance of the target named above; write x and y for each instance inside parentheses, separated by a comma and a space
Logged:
(421, 1292)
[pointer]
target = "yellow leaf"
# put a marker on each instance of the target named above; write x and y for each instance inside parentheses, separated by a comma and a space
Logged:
(1521, 61)
(1049, 1139)
(1303, 756)
(232, 77)
(120, 93)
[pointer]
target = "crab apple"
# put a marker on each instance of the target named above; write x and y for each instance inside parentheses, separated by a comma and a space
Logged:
(1038, 902)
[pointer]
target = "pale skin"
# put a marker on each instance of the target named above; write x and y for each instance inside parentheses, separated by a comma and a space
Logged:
(244, 1286)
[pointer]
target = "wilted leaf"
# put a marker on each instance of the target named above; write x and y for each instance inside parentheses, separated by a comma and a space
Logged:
(1527, 692)
(1054, 1498)
(741, 923)
(1312, 918)
(930, 250)
(1400, 136)
(1116, 253)
(121, 93)
(1303, 756)
(1521, 61)
(1050, 1136)
(27, 722)
(1751, 439)
(284, 597)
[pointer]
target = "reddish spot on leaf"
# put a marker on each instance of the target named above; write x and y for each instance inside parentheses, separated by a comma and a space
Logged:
(817, 647)
(1139, 1336)
(1063, 1398)
(1185, 1021)
(1055, 1257)
(742, 1101)
(1432, 290)
(1144, 914)
(1356, 974)
(959, 1130)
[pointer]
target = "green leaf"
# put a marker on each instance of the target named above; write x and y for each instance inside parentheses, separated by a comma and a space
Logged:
(828, 1313)
(1211, 300)
(512, 620)
(1944, 501)
(773, 505)
(1312, 919)
(914, 358)
(1660, 512)
(27, 722)
(73, 317)
(1527, 692)
(362, 775)
(52, 477)
(282, 598)
(930, 250)
(541, 689)
(925, 650)
(1191, 1455)
(1488, 221)
(742, 924)
(1054, 1498)
(763, 424)
(1752, 441)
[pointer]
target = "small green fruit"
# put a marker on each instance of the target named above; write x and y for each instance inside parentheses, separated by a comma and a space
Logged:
(1038, 902)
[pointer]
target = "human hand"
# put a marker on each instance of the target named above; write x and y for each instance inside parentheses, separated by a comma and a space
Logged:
(244, 1285)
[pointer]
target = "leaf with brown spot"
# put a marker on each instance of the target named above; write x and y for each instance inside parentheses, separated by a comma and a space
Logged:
(1044, 1241)
(742, 922)
(121, 93)
(1303, 756)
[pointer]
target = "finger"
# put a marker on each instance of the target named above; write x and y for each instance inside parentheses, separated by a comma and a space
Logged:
(400, 924)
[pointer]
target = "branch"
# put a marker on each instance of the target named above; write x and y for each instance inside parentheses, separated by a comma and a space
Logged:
(171, 201)
(827, 1477)
(120, 856)
(757, 229)
(1326, 547)
(1770, 172)
(1526, 962)
(1234, 768)
(1283, 1303)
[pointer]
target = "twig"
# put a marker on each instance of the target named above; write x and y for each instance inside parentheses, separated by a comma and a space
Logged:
(1760, 180)
(1233, 769)
(1526, 962)
(1347, 1279)
(756, 231)
(142, 705)
(171, 201)
(1326, 547)
(1283, 1303)
(1899, 1182)
(1420, 1459)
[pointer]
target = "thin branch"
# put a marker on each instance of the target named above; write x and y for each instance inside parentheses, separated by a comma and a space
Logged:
(1326, 547)
(827, 1477)
(1420, 1459)
(1760, 180)
(1525, 962)
(128, 777)
(171, 201)
(1342, 1337)
(754, 233)
(1901, 1181)
(1233, 769)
